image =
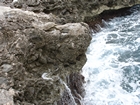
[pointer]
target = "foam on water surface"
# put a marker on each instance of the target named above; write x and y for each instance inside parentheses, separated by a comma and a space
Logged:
(112, 70)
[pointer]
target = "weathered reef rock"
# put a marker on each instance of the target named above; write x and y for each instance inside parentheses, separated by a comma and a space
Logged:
(75, 83)
(100, 20)
(73, 10)
(40, 56)
(40, 59)
(6, 97)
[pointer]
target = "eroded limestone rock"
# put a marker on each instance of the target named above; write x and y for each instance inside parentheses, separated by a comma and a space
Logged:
(37, 55)
(40, 58)
(6, 97)
(73, 10)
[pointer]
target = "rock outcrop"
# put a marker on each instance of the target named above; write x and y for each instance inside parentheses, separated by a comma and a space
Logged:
(39, 58)
(73, 10)
(42, 51)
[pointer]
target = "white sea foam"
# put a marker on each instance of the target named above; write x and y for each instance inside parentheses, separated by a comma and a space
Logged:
(138, 83)
(112, 70)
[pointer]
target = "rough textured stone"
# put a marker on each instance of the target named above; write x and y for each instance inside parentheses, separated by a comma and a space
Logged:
(6, 97)
(73, 10)
(75, 83)
(41, 56)
(37, 55)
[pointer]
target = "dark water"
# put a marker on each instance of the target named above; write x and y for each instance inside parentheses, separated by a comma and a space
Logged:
(113, 68)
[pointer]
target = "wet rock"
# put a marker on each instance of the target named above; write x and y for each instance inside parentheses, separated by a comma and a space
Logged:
(75, 82)
(40, 56)
(100, 20)
(37, 55)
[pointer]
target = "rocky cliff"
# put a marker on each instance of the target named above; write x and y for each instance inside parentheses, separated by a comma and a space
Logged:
(73, 10)
(38, 57)
(41, 54)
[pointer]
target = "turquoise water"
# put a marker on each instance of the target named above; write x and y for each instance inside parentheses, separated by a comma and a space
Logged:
(112, 71)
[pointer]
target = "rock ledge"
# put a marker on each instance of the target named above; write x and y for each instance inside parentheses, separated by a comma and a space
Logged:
(39, 57)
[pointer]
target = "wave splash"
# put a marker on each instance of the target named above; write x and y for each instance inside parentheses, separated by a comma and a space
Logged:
(112, 71)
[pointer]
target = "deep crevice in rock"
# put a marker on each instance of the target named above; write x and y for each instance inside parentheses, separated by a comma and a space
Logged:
(106, 15)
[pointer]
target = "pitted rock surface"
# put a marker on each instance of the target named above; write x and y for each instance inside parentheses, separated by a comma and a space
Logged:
(6, 97)
(73, 10)
(41, 51)
(33, 44)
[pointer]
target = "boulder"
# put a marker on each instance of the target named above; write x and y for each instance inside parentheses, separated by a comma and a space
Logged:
(38, 55)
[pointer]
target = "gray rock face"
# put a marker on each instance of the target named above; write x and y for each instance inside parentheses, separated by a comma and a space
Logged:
(6, 97)
(73, 10)
(40, 56)
(37, 56)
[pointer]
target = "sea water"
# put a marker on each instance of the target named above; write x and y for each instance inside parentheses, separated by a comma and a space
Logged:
(112, 70)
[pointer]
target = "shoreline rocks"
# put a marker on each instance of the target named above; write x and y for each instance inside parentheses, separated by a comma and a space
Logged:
(42, 48)
(33, 44)
(73, 10)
